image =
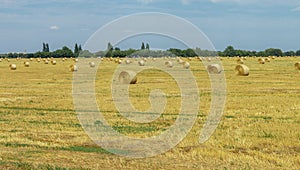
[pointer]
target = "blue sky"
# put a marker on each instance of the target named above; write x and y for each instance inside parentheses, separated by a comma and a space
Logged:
(245, 24)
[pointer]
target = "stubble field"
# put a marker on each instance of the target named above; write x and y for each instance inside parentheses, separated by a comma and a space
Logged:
(39, 128)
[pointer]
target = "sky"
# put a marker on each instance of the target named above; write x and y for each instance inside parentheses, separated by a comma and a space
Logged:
(244, 24)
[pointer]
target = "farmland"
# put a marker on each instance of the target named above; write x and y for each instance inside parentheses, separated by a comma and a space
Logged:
(259, 128)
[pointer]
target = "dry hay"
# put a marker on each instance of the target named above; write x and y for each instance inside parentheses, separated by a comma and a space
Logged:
(73, 68)
(13, 66)
(127, 61)
(242, 70)
(273, 57)
(169, 64)
(186, 65)
(297, 66)
(53, 62)
(141, 63)
(180, 61)
(268, 60)
(127, 77)
(261, 61)
(46, 61)
(214, 69)
(240, 61)
(26, 64)
(92, 64)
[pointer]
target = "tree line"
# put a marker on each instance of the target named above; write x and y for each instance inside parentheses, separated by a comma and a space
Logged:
(145, 51)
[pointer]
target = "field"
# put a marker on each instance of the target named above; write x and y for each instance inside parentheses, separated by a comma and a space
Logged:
(39, 128)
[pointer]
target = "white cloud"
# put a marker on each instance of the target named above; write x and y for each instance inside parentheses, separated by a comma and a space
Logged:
(54, 27)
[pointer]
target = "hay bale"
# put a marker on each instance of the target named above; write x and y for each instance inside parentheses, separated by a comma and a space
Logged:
(127, 61)
(273, 57)
(75, 59)
(169, 64)
(92, 64)
(26, 64)
(186, 65)
(180, 61)
(268, 60)
(240, 61)
(0, 59)
(141, 63)
(242, 70)
(214, 69)
(127, 77)
(261, 61)
(297, 66)
(46, 61)
(73, 68)
(53, 62)
(13, 66)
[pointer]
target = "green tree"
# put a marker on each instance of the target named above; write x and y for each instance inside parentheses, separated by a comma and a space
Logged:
(76, 50)
(273, 52)
(147, 46)
(143, 46)
(289, 53)
(298, 53)
(44, 47)
(229, 51)
(64, 52)
(47, 48)
(79, 48)
(110, 47)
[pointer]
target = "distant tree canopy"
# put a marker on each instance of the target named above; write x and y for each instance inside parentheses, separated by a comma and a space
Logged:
(146, 52)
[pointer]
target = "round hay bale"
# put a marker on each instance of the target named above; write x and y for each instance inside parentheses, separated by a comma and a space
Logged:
(13, 66)
(169, 64)
(0, 59)
(73, 68)
(119, 61)
(38, 60)
(46, 61)
(214, 69)
(53, 62)
(92, 64)
(127, 77)
(261, 61)
(186, 65)
(8, 60)
(180, 61)
(242, 70)
(26, 64)
(141, 63)
(240, 61)
(297, 66)
(273, 57)
(127, 61)
(75, 59)
(268, 60)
